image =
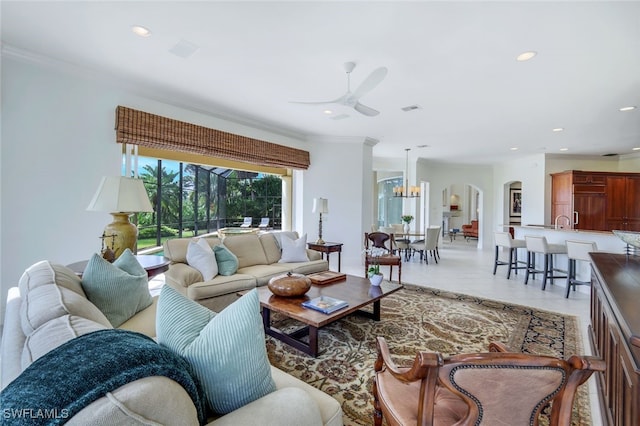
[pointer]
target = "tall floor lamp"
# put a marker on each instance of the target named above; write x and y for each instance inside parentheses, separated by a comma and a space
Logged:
(320, 205)
(121, 197)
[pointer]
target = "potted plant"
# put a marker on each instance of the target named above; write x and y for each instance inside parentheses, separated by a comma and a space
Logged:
(406, 219)
(374, 274)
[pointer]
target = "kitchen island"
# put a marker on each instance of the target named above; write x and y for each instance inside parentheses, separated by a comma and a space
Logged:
(606, 241)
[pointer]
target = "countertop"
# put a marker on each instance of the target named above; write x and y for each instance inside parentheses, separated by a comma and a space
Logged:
(562, 229)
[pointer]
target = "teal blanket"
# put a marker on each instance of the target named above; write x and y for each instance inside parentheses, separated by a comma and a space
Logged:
(61, 383)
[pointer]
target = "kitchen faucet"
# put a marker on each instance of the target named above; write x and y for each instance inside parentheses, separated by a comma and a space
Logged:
(561, 216)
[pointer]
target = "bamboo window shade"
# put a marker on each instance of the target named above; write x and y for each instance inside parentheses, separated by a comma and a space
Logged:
(153, 131)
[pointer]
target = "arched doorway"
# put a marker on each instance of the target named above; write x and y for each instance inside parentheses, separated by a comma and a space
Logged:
(462, 203)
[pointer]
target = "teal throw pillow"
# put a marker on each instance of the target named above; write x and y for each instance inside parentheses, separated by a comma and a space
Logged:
(119, 289)
(227, 261)
(227, 351)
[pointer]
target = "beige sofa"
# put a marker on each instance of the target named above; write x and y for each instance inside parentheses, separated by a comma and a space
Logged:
(51, 321)
(258, 261)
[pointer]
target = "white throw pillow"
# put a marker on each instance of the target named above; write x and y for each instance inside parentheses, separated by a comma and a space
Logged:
(200, 255)
(294, 250)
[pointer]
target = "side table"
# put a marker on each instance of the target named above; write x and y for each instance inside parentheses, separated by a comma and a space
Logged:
(328, 248)
(154, 265)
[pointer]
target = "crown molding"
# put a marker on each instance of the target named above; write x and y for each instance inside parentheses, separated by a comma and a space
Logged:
(343, 139)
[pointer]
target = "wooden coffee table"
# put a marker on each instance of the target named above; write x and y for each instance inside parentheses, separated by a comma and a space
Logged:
(356, 291)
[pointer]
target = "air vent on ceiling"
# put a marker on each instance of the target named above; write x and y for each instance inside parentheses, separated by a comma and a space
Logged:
(411, 108)
(609, 155)
(184, 49)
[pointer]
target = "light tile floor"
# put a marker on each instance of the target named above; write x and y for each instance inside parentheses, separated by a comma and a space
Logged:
(466, 269)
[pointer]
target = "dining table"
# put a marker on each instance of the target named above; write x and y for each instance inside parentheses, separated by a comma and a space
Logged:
(408, 237)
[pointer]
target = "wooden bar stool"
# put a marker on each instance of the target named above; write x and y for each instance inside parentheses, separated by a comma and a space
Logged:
(538, 245)
(577, 250)
(504, 239)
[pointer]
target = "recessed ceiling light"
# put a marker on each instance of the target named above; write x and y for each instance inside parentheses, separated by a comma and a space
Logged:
(564, 149)
(627, 108)
(328, 111)
(141, 31)
(558, 129)
(525, 56)
(514, 148)
(637, 148)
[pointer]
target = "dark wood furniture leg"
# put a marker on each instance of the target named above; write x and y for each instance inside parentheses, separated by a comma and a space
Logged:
(293, 339)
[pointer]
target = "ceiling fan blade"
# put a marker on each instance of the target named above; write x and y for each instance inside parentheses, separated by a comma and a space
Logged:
(372, 81)
(339, 100)
(313, 103)
(363, 109)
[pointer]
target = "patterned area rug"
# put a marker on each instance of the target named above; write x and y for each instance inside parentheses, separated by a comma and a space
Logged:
(419, 318)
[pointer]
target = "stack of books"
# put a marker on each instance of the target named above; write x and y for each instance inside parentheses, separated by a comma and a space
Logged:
(325, 304)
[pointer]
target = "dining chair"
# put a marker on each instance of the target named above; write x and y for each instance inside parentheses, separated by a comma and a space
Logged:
(386, 242)
(401, 241)
(429, 245)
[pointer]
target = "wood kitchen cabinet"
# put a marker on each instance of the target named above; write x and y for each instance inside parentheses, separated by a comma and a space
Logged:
(615, 335)
(625, 214)
(599, 201)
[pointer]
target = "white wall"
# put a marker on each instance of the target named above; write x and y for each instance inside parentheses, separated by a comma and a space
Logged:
(629, 163)
(58, 140)
(341, 172)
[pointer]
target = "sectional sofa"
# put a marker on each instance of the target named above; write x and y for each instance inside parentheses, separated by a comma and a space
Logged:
(49, 315)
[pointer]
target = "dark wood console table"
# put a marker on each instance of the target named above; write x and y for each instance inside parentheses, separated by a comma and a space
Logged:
(615, 335)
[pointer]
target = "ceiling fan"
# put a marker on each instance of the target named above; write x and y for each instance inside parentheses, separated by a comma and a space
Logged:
(352, 99)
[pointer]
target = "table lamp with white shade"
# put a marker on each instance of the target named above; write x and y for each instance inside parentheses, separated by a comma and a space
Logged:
(121, 197)
(320, 205)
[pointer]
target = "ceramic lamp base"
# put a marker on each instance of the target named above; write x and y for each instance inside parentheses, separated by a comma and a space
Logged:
(121, 234)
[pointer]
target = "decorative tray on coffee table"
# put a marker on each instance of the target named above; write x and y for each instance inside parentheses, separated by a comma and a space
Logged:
(327, 277)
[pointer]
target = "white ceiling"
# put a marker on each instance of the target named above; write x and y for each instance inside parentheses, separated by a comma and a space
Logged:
(456, 60)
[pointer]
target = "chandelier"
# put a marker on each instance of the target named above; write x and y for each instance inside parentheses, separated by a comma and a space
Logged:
(406, 191)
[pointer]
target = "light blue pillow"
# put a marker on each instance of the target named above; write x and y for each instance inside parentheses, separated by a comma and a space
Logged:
(227, 351)
(227, 261)
(119, 289)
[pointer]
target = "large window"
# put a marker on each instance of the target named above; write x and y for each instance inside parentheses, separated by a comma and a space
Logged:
(190, 200)
(389, 206)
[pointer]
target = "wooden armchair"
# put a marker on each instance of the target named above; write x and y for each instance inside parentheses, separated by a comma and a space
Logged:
(384, 241)
(482, 388)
